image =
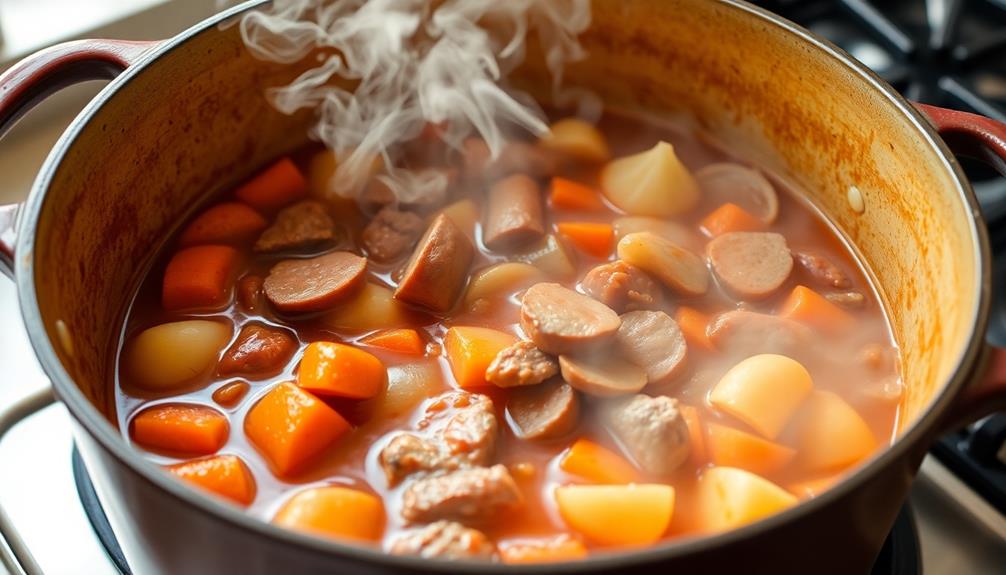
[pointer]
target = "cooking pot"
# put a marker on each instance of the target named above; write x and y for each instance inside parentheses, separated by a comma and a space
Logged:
(187, 116)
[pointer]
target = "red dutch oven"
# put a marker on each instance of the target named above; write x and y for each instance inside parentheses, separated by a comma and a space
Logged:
(185, 117)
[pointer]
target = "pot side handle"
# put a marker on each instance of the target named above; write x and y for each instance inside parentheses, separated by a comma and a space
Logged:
(33, 79)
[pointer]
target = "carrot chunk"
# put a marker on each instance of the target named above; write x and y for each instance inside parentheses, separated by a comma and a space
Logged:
(181, 428)
(806, 305)
(730, 218)
(542, 550)
(274, 187)
(335, 369)
(593, 238)
(731, 447)
(337, 512)
(470, 350)
(290, 427)
(199, 277)
(569, 195)
(401, 340)
(224, 475)
(596, 463)
(696, 437)
(693, 324)
(229, 223)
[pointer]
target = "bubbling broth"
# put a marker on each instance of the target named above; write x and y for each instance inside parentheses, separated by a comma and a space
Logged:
(592, 328)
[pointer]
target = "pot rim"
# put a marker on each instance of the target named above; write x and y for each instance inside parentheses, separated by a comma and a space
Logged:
(97, 425)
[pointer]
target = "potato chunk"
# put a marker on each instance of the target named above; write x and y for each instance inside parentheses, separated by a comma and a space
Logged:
(576, 139)
(333, 511)
(635, 514)
(169, 355)
(729, 497)
(675, 266)
(373, 307)
(650, 183)
(763, 391)
(830, 434)
(501, 278)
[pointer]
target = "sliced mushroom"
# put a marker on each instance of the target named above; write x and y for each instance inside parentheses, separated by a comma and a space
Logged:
(736, 184)
(602, 375)
(750, 265)
(678, 268)
(543, 411)
(654, 342)
(559, 320)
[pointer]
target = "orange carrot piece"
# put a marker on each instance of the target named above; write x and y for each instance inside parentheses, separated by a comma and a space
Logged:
(401, 340)
(694, 324)
(470, 350)
(542, 550)
(806, 305)
(813, 487)
(181, 428)
(230, 394)
(696, 437)
(596, 463)
(730, 218)
(569, 195)
(334, 511)
(231, 223)
(199, 277)
(274, 187)
(224, 475)
(290, 427)
(593, 238)
(335, 369)
(731, 447)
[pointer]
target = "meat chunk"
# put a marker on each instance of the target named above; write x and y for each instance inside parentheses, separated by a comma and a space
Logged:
(299, 226)
(750, 265)
(559, 320)
(514, 215)
(622, 287)
(467, 495)
(751, 333)
(444, 540)
(543, 411)
(651, 430)
(315, 284)
(438, 269)
(391, 234)
(470, 432)
(822, 270)
(521, 364)
(407, 454)
(654, 342)
(259, 351)
(602, 375)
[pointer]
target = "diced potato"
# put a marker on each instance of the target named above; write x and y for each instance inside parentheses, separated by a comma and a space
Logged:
(596, 463)
(650, 183)
(675, 266)
(763, 391)
(320, 173)
(373, 308)
(550, 256)
(501, 278)
(729, 497)
(336, 512)
(470, 350)
(408, 385)
(167, 356)
(577, 139)
(731, 447)
(636, 514)
(464, 214)
(669, 230)
(830, 434)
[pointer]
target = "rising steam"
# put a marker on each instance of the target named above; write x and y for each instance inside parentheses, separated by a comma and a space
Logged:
(392, 66)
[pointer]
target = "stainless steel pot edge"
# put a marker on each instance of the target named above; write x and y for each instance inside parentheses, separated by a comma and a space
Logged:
(109, 438)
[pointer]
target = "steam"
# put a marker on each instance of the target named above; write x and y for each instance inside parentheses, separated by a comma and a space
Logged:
(390, 67)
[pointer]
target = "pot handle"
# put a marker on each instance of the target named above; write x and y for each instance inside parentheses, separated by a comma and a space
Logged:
(43, 73)
(984, 139)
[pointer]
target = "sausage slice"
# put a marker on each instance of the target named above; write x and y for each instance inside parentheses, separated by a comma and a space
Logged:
(602, 375)
(314, 284)
(514, 216)
(753, 333)
(822, 269)
(654, 342)
(651, 430)
(438, 269)
(543, 411)
(521, 364)
(622, 287)
(750, 265)
(737, 184)
(559, 320)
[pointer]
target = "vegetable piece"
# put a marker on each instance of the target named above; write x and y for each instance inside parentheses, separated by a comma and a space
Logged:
(745, 332)
(731, 447)
(181, 428)
(674, 232)
(320, 172)
(334, 369)
(730, 218)
(470, 350)
(274, 187)
(636, 514)
(438, 269)
(407, 386)
(602, 375)
(501, 278)
(729, 497)
(593, 238)
(596, 463)
(315, 284)
(231, 394)
(747, 188)
(650, 183)
(224, 475)
(167, 356)
(199, 277)
(763, 391)
(569, 195)
(807, 306)
(577, 139)
(560, 320)
(402, 340)
(291, 427)
(830, 434)
(696, 435)
(225, 223)
(336, 512)
(464, 214)
(542, 550)
(678, 268)
(374, 307)
(551, 257)
(693, 324)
